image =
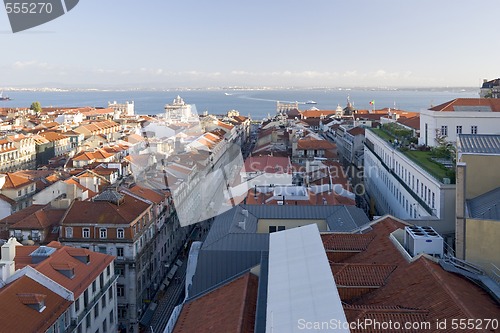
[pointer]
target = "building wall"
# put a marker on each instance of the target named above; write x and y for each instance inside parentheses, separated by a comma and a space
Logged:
(104, 298)
(264, 224)
(476, 175)
(481, 243)
(486, 122)
(482, 173)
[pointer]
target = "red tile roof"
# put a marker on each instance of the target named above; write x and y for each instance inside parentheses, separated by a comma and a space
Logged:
(311, 143)
(148, 194)
(357, 275)
(64, 258)
(103, 212)
(18, 316)
(413, 122)
(268, 164)
(346, 242)
(418, 285)
(356, 131)
(21, 215)
(384, 314)
(204, 314)
(493, 103)
(317, 113)
(15, 180)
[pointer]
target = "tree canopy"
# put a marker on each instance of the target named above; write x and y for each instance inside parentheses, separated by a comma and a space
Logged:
(36, 106)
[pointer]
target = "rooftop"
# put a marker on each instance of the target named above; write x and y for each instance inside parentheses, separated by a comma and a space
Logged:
(18, 316)
(479, 144)
(239, 298)
(485, 206)
(62, 258)
(469, 104)
(407, 290)
(424, 158)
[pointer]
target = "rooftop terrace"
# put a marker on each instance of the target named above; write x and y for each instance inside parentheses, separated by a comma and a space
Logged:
(401, 139)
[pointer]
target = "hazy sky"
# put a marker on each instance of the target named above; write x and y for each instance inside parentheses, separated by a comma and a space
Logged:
(257, 43)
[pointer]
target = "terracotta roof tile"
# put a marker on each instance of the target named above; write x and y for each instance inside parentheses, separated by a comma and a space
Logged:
(384, 314)
(357, 275)
(103, 212)
(148, 194)
(421, 284)
(346, 242)
(204, 313)
(64, 258)
(15, 180)
(492, 103)
(18, 316)
(413, 122)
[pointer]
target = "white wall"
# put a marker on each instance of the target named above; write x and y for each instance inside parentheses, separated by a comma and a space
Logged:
(486, 122)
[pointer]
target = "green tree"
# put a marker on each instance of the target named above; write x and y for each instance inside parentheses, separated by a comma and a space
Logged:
(37, 107)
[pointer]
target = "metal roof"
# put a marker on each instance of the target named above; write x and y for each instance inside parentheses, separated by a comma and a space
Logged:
(479, 143)
(486, 206)
(300, 283)
(232, 246)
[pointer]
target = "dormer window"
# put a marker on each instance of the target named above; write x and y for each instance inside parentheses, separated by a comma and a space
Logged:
(66, 269)
(34, 301)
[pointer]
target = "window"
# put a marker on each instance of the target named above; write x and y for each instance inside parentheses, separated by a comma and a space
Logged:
(104, 326)
(111, 317)
(87, 320)
(86, 232)
(77, 305)
(120, 290)
(122, 312)
(94, 286)
(272, 228)
(108, 270)
(281, 227)
(19, 193)
(459, 129)
(103, 301)
(433, 199)
(69, 232)
(96, 310)
(103, 232)
(444, 130)
(473, 130)
(119, 251)
(102, 249)
(110, 293)
(119, 271)
(120, 233)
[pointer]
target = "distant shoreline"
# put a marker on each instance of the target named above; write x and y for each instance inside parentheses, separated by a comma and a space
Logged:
(145, 89)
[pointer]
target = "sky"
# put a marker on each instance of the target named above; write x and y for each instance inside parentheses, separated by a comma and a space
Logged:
(220, 43)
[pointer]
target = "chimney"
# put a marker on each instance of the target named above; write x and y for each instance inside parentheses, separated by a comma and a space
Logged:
(7, 263)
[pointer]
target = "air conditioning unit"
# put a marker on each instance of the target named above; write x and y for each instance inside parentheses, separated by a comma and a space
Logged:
(423, 240)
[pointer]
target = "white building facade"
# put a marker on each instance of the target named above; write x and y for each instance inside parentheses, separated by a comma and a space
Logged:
(460, 116)
(400, 187)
